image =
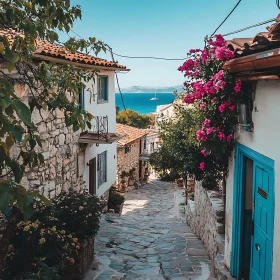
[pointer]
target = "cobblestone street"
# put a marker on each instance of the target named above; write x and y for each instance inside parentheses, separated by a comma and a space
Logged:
(147, 242)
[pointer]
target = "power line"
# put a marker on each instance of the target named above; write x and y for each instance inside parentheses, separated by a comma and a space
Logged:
(117, 79)
(226, 18)
(251, 26)
(134, 57)
(118, 84)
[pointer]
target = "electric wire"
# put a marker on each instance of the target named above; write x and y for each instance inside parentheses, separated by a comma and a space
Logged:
(117, 79)
(118, 84)
(249, 27)
(225, 18)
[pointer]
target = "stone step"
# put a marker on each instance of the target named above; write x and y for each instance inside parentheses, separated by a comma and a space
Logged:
(220, 239)
(221, 271)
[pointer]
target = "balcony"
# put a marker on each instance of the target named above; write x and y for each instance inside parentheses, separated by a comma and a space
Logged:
(98, 133)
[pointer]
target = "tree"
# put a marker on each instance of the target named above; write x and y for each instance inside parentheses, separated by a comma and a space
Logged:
(51, 86)
(180, 153)
(135, 119)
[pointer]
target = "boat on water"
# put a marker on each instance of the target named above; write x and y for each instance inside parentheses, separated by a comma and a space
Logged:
(155, 97)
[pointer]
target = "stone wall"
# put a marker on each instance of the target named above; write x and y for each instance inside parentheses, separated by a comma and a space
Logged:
(205, 216)
(131, 159)
(64, 156)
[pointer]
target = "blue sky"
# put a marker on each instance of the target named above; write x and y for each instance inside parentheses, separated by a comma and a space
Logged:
(164, 28)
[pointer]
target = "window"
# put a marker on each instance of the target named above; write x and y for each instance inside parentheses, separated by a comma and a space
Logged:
(82, 99)
(126, 149)
(102, 89)
(102, 168)
(145, 143)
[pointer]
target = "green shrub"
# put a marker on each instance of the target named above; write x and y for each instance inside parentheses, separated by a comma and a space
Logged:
(50, 241)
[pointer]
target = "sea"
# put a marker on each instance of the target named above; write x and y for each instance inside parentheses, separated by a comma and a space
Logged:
(142, 103)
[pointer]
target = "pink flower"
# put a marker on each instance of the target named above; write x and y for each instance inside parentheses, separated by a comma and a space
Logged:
(206, 122)
(189, 98)
(81, 208)
(219, 75)
(204, 55)
(201, 135)
(202, 106)
(237, 87)
(230, 137)
(232, 108)
(222, 136)
(204, 152)
(202, 165)
(209, 130)
(187, 65)
(195, 74)
(220, 85)
(222, 108)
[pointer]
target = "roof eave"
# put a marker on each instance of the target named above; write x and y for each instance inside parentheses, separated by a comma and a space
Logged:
(77, 64)
(260, 61)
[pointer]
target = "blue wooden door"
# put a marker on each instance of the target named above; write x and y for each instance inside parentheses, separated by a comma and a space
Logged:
(263, 218)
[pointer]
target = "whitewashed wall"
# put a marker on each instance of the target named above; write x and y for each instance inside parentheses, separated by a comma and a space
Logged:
(102, 109)
(265, 140)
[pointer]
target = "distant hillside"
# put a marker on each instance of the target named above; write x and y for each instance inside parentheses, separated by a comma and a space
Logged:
(151, 89)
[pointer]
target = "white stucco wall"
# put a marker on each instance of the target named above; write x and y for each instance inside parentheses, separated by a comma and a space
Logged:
(102, 109)
(265, 140)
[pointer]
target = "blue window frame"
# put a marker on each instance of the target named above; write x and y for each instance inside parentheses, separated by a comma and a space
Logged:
(102, 168)
(82, 99)
(102, 89)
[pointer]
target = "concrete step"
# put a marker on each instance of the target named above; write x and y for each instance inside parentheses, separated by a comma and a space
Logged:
(220, 239)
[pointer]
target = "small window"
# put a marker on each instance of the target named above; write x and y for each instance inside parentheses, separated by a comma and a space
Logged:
(82, 99)
(126, 149)
(102, 168)
(145, 143)
(102, 89)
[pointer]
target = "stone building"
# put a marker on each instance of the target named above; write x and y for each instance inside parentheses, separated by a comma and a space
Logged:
(129, 150)
(75, 159)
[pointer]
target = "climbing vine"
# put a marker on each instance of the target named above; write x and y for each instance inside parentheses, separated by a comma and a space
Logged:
(215, 92)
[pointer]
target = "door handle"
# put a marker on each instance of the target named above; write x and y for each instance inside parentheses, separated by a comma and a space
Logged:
(258, 247)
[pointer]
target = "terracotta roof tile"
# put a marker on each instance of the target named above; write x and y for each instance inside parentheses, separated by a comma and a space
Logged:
(52, 50)
(262, 41)
(132, 133)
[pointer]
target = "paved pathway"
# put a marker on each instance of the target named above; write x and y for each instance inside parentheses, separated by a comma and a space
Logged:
(147, 242)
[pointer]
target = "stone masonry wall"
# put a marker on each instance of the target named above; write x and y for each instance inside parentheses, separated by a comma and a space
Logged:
(64, 156)
(204, 216)
(129, 160)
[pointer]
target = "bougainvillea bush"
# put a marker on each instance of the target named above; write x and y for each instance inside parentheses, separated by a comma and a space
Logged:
(215, 92)
(47, 244)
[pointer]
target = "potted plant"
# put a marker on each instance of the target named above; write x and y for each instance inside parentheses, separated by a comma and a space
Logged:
(131, 178)
(115, 201)
(123, 183)
(146, 177)
(179, 182)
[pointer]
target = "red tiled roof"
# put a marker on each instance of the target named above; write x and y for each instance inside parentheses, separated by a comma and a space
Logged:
(48, 49)
(132, 133)
(262, 41)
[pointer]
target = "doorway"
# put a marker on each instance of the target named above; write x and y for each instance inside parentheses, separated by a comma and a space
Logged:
(253, 219)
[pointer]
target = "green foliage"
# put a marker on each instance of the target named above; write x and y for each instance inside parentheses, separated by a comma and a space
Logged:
(49, 242)
(50, 87)
(82, 216)
(179, 153)
(135, 119)
(115, 199)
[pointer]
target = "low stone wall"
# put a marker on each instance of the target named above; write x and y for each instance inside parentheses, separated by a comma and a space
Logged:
(83, 261)
(205, 216)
